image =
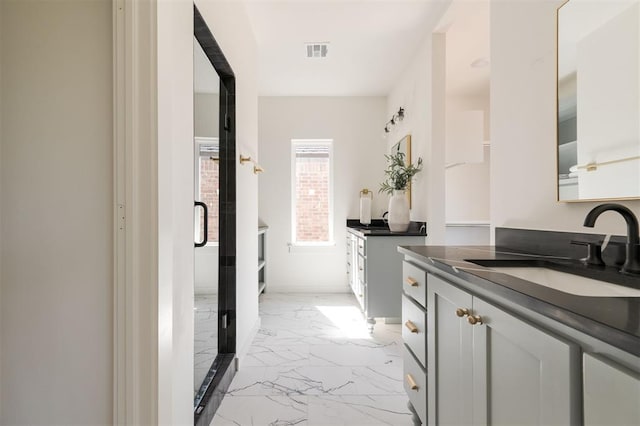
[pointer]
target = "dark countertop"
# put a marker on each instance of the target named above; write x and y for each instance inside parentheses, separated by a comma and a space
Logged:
(378, 228)
(614, 320)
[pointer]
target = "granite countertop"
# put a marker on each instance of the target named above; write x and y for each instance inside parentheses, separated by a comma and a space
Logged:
(614, 320)
(378, 228)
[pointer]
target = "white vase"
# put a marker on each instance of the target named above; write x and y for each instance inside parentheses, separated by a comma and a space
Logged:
(399, 211)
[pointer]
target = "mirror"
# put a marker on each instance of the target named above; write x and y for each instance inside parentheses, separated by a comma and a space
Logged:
(404, 146)
(598, 100)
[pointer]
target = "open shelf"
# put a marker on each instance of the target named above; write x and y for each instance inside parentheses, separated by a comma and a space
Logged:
(262, 258)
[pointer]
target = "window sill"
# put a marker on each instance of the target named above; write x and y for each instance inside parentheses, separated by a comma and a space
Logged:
(311, 248)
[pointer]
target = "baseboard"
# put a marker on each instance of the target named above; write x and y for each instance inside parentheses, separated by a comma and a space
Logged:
(241, 352)
(308, 288)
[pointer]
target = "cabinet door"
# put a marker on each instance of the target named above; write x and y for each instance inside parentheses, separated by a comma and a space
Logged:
(522, 375)
(449, 358)
(611, 393)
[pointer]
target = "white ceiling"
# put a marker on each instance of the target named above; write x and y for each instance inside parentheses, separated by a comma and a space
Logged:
(371, 43)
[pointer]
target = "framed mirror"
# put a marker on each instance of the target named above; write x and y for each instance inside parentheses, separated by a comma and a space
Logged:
(598, 78)
(404, 146)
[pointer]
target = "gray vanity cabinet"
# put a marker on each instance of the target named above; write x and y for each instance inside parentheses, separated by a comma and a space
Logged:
(373, 268)
(449, 355)
(500, 370)
(611, 393)
(522, 374)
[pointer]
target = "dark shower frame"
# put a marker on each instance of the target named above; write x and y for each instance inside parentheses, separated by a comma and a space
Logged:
(223, 369)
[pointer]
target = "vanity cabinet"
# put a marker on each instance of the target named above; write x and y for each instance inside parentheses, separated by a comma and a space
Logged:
(414, 335)
(498, 370)
(493, 357)
(611, 393)
(356, 267)
(373, 267)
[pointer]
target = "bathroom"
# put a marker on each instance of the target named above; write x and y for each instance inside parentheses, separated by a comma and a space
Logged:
(144, 311)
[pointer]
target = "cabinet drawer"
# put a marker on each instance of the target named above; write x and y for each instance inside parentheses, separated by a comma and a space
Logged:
(414, 282)
(362, 269)
(414, 328)
(415, 384)
(362, 247)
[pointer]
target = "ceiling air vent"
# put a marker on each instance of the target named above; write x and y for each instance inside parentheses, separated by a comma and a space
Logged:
(317, 50)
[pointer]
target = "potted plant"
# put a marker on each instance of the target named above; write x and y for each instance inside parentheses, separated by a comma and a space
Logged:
(398, 177)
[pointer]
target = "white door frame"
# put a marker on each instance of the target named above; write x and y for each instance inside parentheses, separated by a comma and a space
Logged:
(135, 386)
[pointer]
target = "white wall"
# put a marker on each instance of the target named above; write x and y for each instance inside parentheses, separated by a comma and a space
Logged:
(467, 185)
(206, 109)
(56, 229)
(523, 124)
(356, 126)
(175, 211)
(420, 91)
(206, 270)
(467, 191)
(230, 26)
(1, 134)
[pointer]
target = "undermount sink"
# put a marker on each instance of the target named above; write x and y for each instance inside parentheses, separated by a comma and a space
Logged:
(562, 281)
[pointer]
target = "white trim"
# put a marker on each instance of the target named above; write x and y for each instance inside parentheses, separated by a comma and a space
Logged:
(308, 248)
(311, 288)
(328, 143)
(466, 223)
(136, 194)
(119, 231)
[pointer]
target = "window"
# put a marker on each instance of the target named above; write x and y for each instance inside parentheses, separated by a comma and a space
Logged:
(312, 192)
(207, 184)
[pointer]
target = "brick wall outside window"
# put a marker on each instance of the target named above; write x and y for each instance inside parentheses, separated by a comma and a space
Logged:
(312, 199)
(209, 185)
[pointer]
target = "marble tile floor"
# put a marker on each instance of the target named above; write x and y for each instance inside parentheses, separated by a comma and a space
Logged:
(205, 343)
(314, 363)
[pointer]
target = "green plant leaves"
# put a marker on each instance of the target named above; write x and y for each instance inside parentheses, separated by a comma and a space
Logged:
(398, 175)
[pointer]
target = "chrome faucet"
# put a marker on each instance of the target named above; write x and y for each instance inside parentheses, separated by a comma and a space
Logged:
(632, 262)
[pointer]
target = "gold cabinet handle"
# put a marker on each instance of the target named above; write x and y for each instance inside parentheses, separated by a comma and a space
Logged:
(411, 326)
(462, 312)
(474, 319)
(412, 383)
(412, 282)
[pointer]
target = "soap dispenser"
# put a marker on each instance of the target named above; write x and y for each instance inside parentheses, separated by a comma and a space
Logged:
(366, 197)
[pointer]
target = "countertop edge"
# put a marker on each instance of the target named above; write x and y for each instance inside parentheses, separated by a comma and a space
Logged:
(620, 339)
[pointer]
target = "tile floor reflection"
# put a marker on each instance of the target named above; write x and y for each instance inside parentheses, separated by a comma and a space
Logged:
(314, 363)
(205, 343)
